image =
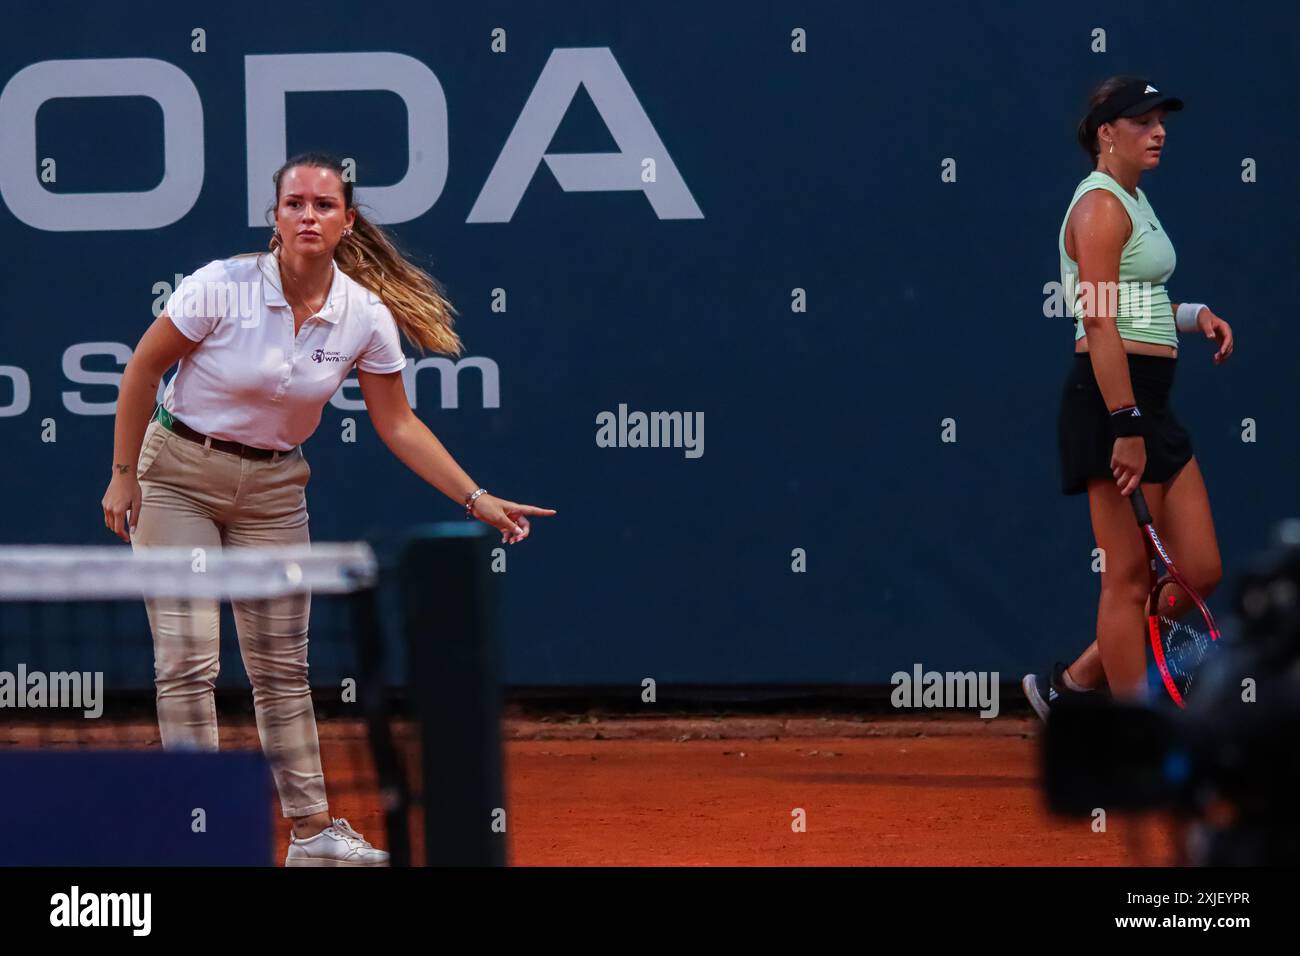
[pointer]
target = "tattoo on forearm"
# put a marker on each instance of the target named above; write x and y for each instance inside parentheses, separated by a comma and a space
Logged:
(121, 469)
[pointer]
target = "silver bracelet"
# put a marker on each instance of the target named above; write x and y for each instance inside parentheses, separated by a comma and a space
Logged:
(1187, 315)
(469, 502)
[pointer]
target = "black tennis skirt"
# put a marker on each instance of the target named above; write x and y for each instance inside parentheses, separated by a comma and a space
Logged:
(1083, 425)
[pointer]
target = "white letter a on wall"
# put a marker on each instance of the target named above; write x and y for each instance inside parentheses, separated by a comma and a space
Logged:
(597, 70)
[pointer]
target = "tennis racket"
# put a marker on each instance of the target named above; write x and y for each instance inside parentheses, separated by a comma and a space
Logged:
(1179, 625)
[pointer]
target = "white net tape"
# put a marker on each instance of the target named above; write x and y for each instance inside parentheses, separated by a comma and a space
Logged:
(72, 573)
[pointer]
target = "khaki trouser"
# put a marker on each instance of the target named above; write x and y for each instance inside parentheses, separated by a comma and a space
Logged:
(199, 497)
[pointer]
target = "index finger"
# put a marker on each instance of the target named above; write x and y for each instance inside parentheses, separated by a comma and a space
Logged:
(534, 510)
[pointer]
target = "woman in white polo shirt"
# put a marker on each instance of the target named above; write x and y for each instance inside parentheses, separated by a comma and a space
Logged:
(263, 341)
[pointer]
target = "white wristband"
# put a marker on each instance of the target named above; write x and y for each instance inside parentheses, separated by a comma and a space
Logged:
(1187, 315)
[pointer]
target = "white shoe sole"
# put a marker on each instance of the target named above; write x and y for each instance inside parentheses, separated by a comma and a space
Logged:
(1029, 684)
(321, 861)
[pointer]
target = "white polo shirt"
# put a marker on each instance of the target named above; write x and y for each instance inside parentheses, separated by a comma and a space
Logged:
(251, 379)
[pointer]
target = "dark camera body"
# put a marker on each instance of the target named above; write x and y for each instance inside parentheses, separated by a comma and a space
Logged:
(1229, 764)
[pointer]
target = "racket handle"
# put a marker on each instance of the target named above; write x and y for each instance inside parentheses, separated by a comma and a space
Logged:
(1140, 507)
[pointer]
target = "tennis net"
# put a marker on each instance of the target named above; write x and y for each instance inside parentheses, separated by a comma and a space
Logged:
(89, 780)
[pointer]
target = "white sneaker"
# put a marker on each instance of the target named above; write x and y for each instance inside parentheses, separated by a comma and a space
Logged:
(337, 845)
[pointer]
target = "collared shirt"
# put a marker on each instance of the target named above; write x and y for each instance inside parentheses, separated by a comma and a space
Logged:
(251, 379)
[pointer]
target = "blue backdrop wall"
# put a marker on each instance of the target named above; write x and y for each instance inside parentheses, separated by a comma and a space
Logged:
(776, 170)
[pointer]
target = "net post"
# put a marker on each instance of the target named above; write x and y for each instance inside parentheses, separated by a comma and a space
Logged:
(449, 622)
(394, 786)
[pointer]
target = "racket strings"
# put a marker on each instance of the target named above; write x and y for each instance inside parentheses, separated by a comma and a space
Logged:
(1184, 635)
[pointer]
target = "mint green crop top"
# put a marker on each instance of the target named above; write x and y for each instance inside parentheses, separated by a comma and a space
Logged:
(1144, 312)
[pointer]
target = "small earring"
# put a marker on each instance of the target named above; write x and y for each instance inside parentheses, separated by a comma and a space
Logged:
(1112, 147)
(347, 232)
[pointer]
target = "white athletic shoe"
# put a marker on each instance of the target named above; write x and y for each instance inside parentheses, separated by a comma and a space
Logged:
(337, 845)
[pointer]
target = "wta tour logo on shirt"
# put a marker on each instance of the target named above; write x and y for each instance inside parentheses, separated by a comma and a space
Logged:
(320, 356)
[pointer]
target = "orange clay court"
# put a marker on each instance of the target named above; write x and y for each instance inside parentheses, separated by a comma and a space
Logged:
(720, 791)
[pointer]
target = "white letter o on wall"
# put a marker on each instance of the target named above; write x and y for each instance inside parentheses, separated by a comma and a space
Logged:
(182, 110)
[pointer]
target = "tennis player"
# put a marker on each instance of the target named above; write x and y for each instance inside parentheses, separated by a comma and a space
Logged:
(263, 341)
(1116, 426)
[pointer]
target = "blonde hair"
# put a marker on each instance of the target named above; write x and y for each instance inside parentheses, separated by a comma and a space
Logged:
(370, 257)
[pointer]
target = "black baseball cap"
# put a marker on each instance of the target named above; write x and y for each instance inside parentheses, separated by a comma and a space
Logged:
(1132, 99)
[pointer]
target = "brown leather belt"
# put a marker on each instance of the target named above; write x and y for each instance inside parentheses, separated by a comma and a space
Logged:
(178, 427)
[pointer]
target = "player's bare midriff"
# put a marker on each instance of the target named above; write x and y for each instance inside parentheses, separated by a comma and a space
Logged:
(1135, 348)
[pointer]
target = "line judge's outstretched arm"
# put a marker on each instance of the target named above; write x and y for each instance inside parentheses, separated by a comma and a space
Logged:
(411, 441)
